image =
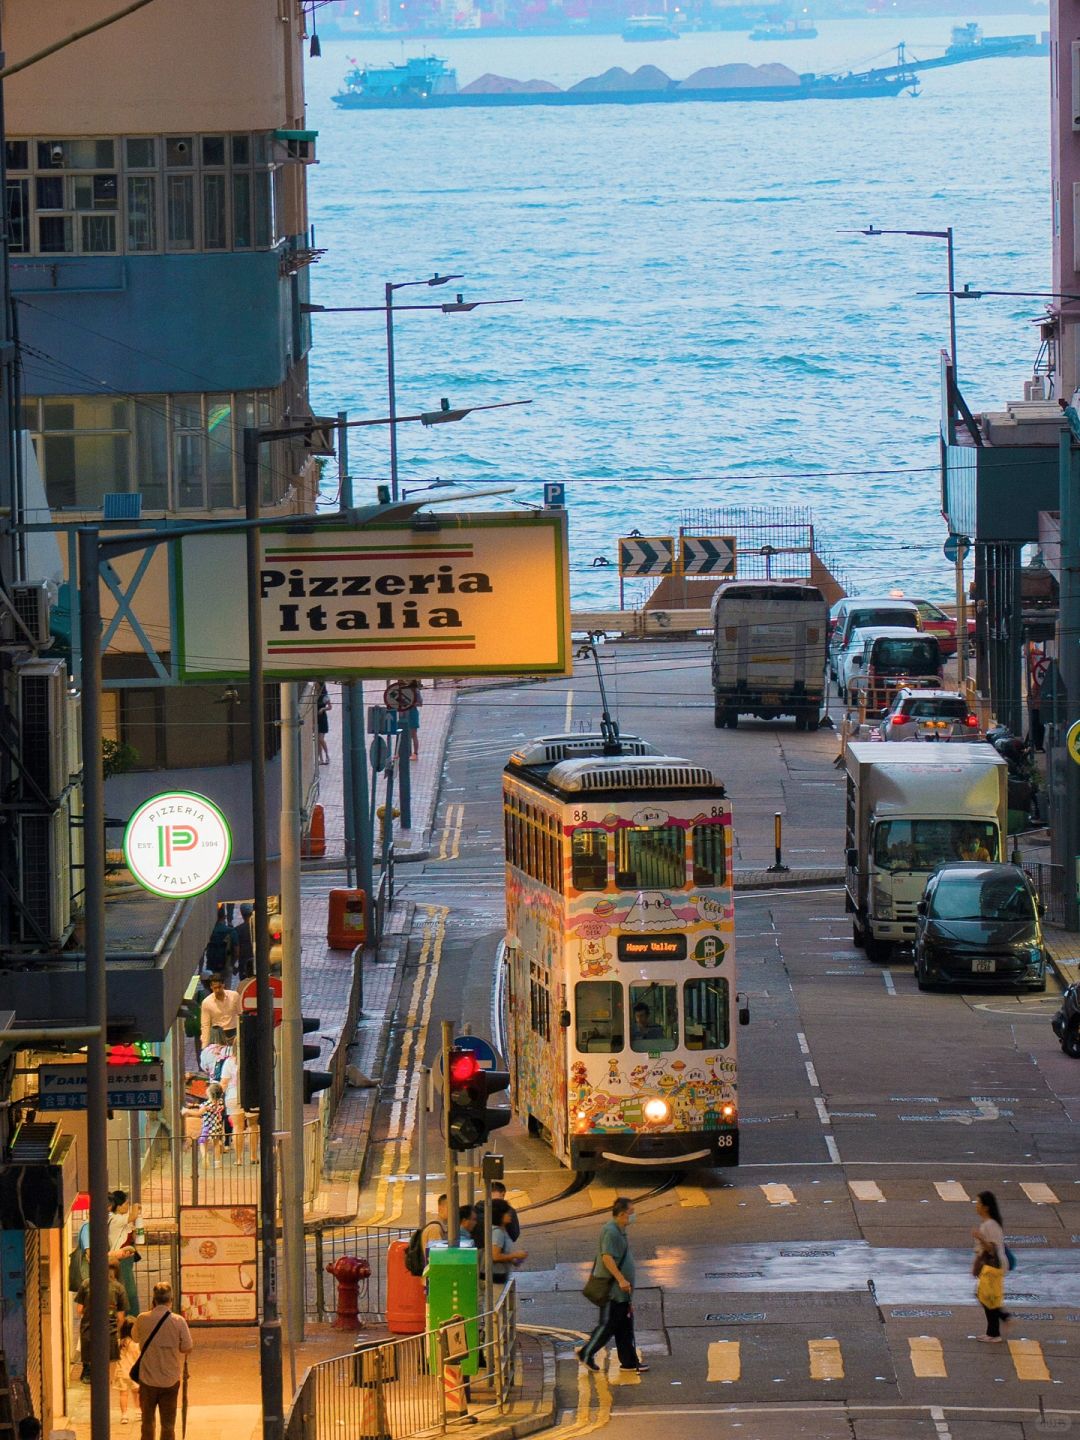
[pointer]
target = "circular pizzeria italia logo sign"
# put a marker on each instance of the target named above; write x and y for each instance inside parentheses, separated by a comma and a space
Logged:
(177, 844)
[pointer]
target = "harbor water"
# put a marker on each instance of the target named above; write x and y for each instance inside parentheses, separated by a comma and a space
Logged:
(700, 326)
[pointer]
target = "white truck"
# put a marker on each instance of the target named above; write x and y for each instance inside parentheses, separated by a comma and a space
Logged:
(908, 813)
(768, 655)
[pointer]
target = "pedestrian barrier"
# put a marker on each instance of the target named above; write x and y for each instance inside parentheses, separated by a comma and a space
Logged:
(1049, 881)
(406, 1388)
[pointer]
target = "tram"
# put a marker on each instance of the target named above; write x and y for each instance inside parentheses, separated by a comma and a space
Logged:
(620, 954)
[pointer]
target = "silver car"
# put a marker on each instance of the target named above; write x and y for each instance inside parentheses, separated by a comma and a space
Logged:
(929, 715)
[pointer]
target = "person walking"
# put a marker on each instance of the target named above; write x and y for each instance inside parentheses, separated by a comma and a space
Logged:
(219, 1014)
(212, 1110)
(164, 1341)
(237, 1117)
(129, 1353)
(122, 1218)
(990, 1265)
(511, 1224)
(322, 720)
(616, 1320)
(220, 953)
(244, 943)
(117, 1312)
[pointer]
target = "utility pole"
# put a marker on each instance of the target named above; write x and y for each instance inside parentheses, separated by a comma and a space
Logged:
(292, 1027)
(356, 776)
(1065, 826)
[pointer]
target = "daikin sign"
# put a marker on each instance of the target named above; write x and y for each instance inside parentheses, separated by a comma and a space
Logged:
(177, 844)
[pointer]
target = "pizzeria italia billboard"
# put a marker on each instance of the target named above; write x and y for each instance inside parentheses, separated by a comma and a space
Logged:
(484, 594)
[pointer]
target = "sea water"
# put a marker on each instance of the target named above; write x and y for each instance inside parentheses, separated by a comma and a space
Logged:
(699, 324)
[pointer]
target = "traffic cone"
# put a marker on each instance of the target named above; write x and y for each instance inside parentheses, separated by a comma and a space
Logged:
(454, 1397)
(313, 845)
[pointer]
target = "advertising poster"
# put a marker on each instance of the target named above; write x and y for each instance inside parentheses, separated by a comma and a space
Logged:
(218, 1264)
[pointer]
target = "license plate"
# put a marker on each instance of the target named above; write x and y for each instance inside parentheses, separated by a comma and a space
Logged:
(770, 699)
(980, 966)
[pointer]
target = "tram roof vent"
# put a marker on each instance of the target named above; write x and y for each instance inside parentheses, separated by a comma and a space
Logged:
(550, 749)
(664, 772)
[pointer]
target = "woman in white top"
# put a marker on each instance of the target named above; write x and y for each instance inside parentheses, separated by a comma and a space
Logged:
(989, 1238)
(122, 1217)
(230, 1081)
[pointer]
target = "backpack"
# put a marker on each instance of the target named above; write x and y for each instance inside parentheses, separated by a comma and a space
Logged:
(415, 1259)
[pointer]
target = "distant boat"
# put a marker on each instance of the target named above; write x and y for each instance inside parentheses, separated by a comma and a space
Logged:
(969, 43)
(430, 84)
(789, 30)
(649, 27)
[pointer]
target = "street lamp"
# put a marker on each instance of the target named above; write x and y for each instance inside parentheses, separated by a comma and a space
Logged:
(947, 236)
(458, 306)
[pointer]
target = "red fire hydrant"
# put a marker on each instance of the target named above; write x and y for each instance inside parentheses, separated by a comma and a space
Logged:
(348, 1271)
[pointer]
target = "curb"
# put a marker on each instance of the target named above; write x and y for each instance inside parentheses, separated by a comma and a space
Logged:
(544, 1411)
(785, 880)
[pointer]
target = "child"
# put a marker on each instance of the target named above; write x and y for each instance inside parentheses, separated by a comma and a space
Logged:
(129, 1353)
(213, 1126)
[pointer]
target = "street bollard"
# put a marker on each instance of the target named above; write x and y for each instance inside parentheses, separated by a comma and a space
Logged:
(779, 866)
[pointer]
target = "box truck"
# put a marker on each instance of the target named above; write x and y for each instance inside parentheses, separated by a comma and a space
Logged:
(768, 654)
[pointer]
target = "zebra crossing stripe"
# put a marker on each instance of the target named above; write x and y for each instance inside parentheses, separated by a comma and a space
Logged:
(866, 1190)
(1040, 1194)
(725, 1364)
(826, 1359)
(952, 1190)
(778, 1194)
(927, 1357)
(1027, 1358)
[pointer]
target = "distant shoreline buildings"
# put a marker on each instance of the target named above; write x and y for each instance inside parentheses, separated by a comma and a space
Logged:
(392, 19)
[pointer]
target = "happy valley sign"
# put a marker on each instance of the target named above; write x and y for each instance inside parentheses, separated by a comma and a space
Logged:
(484, 594)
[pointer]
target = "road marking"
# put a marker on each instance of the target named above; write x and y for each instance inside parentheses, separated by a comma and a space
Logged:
(1027, 1358)
(803, 1046)
(811, 1075)
(833, 1149)
(602, 1196)
(1039, 1194)
(569, 710)
(890, 988)
(775, 1194)
(866, 1190)
(691, 1196)
(450, 840)
(952, 1190)
(826, 1361)
(822, 1110)
(725, 1366)
(941, 1425)
(518, 1199)
(927, 1357)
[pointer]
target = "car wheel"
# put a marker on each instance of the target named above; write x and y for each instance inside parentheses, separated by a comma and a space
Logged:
(878, 951)
(1070, 1041)
(1039, 988)
(920, 979)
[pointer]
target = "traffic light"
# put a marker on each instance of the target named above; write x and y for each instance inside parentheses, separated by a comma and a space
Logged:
(469, 1088)
(314, 1080)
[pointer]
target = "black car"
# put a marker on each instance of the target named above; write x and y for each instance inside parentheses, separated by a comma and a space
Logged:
(978, 924)
(1066, 1022)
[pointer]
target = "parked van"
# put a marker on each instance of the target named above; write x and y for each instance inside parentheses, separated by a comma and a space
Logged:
(858, 612)
(768, 655)
(892, 658)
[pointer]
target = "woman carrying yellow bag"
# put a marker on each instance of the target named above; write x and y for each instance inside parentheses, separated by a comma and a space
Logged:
(991, 1262)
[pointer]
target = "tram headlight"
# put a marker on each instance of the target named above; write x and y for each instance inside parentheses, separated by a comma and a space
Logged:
(727, 1112)
(657, 1110)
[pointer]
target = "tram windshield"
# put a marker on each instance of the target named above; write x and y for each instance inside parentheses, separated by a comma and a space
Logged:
(598, 1005)
(705, 1005)
(650, 857)
(709, 855)
(654, 1011)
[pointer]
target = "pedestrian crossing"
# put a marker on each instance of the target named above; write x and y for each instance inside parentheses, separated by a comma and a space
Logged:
(928, 1358)
(779, 1195)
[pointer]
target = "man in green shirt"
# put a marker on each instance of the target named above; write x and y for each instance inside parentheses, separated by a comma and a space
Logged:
(616, 1320)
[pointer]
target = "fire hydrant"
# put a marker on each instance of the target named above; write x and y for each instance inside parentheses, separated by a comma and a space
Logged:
(348, 1271)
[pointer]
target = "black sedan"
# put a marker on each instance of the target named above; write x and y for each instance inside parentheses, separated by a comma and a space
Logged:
(978, 924)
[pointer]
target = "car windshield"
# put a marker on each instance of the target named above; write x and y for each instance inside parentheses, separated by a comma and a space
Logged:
(865, 619)
(920, 656)
(926, 844)
(981, 897)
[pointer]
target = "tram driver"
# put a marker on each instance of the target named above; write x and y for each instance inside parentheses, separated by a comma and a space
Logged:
(644, 1026)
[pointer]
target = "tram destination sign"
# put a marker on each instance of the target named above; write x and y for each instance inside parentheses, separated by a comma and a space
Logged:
(475, 594)
(130, 1087)
(652, 947)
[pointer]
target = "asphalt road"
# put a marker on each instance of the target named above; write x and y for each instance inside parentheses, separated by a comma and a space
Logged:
(822, 1288)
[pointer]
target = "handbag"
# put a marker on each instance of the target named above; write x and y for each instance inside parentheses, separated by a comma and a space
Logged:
(597, 1289)
(134, 1371)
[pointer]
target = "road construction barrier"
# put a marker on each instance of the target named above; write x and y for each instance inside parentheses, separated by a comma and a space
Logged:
(313, 844)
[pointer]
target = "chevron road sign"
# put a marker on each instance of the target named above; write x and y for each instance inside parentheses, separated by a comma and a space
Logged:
(708, 555)
(647, 555)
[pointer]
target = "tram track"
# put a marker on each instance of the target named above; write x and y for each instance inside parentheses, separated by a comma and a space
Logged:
(581, 1180)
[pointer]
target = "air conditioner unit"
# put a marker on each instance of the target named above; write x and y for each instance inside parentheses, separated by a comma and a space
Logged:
(1037, 388)
(44, 715)
(33, 606)
(45, 876)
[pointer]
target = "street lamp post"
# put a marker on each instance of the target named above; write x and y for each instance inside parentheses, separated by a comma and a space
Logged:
(947, 236)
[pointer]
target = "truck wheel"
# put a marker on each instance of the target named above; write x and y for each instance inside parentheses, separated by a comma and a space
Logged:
(1070, 1041)
(719, 715)
(731, 719)
(858, 934)
(800, 722)
(878, 950)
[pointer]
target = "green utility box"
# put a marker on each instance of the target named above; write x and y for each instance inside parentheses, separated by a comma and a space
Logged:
(453, 1293)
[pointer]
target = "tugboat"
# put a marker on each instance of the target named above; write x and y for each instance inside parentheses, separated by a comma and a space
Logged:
(384, 86)
(649, 27)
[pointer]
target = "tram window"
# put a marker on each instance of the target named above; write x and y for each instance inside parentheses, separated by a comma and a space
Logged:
(650, 857)
(588, 853)
(654, 1017)
(540, 1009)
(709, 856)
(705, 1014)
(598, 1008)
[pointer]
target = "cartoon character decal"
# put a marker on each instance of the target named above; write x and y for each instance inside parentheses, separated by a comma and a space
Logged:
(594, 958)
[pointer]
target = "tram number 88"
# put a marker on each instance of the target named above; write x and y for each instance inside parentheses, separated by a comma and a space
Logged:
(725, 1140)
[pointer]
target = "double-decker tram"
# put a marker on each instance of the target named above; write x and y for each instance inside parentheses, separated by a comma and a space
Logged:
(621, 954)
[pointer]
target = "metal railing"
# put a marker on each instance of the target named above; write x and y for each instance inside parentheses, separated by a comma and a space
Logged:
(1049, 881)
(328, 1243)
(408, 1387)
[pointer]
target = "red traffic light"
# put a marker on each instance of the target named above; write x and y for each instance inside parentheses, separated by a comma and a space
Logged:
(464, 1066)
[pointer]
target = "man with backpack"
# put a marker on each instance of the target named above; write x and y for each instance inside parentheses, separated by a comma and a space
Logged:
(416, 1252)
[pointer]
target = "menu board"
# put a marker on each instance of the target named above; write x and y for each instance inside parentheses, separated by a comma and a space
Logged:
(218, 1264)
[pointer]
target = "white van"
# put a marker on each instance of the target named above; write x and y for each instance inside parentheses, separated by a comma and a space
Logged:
(860, 612)
(768, 654)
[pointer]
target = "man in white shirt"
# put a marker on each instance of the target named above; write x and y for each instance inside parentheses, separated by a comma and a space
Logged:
(161, 1362)
(219, 1014)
